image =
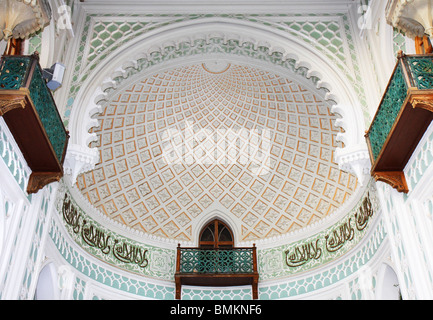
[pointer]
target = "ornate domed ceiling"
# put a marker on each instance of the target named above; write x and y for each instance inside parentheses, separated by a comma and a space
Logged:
(216, 136)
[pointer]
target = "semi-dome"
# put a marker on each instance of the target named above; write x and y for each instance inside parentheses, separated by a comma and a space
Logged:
(255, 145)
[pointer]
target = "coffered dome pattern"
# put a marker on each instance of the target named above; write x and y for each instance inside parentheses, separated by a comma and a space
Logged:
(217, 135)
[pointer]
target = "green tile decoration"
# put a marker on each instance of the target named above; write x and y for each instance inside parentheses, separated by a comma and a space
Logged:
(12, 72)
(388, 112)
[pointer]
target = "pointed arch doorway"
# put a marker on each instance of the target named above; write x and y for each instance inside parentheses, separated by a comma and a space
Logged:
(216, 234)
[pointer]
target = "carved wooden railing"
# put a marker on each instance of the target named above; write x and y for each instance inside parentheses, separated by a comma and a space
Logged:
(403, 115)
(29, 110)
(216, 267)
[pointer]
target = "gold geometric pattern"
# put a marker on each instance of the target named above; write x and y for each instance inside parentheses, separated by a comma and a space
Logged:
(254, 143)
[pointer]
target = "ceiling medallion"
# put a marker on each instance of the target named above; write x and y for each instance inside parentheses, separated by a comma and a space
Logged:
(216, 66)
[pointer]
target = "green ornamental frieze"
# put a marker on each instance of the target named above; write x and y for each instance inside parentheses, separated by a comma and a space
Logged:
(323, 247)
(113, 248)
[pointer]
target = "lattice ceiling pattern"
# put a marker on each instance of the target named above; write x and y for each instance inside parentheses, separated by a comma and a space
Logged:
(103, 33)
(254, 144)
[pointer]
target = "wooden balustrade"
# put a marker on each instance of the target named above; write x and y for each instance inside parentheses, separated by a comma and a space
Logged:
(216, 267)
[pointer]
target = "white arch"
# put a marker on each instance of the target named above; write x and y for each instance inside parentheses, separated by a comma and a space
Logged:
(47, 287)
(388, 284)
(80, 158)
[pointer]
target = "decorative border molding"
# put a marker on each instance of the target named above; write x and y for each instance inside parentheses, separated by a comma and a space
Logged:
(343, 272)
(88, 269)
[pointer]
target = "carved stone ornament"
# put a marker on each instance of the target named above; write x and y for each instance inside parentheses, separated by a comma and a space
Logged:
(79, 159)
(33, 16)
(356, 160)
(413, 17)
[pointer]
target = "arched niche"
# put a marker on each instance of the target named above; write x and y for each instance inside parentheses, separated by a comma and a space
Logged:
(47, 287)
(388, 287)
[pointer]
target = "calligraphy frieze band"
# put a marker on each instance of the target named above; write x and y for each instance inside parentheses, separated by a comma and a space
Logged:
(276, 262)
(113, 248)
(333, 241)
(323, 247)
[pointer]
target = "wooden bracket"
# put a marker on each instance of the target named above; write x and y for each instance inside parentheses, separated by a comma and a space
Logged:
(13, 99)
(38, 180)
(394, 178)
(8, 105)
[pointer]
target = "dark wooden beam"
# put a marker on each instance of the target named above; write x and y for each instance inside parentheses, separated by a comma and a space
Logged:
(15, 47)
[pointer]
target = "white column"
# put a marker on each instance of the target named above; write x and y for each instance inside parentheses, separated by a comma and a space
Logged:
(407, 251)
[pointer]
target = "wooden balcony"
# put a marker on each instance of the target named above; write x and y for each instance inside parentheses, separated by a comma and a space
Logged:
(216, 267)
(29, 110)
(403, 116)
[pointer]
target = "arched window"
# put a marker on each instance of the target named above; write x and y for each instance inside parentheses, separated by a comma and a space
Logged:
(216, 262)
(216, 234)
